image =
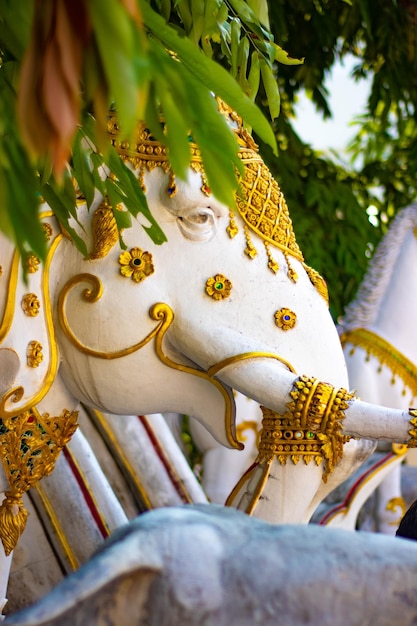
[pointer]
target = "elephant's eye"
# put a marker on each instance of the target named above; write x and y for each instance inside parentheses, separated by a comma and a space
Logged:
(200, 218)
(197, 224)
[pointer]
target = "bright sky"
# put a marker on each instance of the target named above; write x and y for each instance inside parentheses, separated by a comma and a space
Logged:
(347, 100)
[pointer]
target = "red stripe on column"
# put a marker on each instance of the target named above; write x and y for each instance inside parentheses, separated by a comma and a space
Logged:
(86, 493)
(176, 481)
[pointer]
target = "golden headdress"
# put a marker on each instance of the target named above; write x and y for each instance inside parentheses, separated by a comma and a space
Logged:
(261, 204)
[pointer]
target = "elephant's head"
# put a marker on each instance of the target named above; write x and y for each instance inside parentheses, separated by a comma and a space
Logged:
(171, 327)
(228, 302)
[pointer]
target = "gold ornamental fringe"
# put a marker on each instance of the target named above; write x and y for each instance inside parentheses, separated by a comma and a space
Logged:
(13, 517)
(30, 444)
(386, 354)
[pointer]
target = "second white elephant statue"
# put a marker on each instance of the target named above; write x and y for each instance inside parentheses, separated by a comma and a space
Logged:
(212, 565)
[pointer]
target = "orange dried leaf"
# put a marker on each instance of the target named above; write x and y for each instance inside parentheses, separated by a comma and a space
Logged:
(132, 7)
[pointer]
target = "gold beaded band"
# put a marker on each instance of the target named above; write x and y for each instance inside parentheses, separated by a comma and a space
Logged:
(284, 437)
(310, 429)
(412, 442)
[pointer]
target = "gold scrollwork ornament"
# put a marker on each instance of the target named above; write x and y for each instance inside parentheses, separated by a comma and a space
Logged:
(393, 505)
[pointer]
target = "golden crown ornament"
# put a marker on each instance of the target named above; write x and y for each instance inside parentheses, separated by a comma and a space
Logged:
(260, 204)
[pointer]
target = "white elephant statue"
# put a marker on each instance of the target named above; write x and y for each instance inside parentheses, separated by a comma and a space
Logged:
(227, 303)
(378, 334)
(206, 564)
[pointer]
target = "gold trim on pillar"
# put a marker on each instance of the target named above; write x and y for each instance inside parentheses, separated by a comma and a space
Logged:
(119, 454)
(54, 521)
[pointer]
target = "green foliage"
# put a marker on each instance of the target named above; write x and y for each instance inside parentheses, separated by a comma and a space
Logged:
(329, 200)
(165, 66)
(18, 180)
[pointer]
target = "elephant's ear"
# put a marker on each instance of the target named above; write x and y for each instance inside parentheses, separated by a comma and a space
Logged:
(28, 351)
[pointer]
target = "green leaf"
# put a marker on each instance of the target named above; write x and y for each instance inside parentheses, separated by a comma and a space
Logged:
(254, 75)
(131, 195)
(22, 215)
(266, 50)
(164, 7)
(22, 198)
(271, 89)
(216, 141)
(67, 192)
(153, 114)
(243, 57)
(15, 25)
(60, 209)
(210, 75)
(198, 16)
(123, 220)
(211, 15)
(234, 45)
(170, 94)
(82, 169)
(283, 57)
(260, 9)
(115, 193)
(115, 25)
(97, 161)
(249, 18)
(184, 11)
